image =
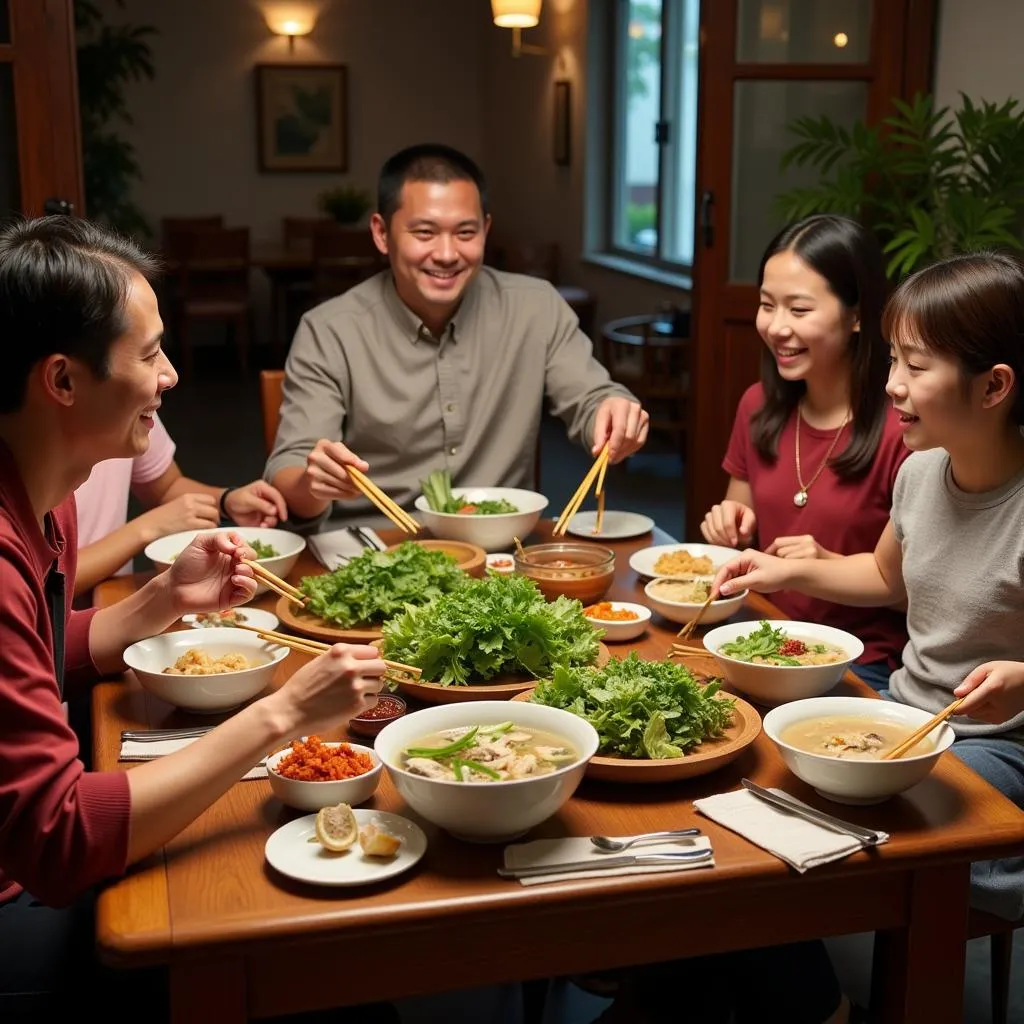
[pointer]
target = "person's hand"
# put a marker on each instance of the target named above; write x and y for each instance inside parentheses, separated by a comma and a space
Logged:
(994, 692)
(326, 476)
(186, 512)
(730, 524)
(210, 574)
(336, 686)
(622, 425)
(753, 570)
(804, 546)
(256, 504)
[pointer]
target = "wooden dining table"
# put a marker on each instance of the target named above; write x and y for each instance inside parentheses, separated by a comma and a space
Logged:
(242, 942)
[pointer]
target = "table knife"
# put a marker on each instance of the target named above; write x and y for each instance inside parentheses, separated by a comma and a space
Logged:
(603, 863)
(790, 804)
(156, 735)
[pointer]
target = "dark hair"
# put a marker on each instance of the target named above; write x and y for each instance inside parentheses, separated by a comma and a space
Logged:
(428, 161)
(848, 257)
(969, 308)
(63, 287)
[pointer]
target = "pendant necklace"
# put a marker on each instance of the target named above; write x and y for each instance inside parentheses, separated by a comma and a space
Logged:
(801, 496)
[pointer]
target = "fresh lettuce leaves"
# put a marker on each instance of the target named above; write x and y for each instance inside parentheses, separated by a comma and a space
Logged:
(437, 489)
(378, 584)
(640, 709)
(490, 626)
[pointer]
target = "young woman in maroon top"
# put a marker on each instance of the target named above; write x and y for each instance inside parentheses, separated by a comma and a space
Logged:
(84, 372)
(816, 446)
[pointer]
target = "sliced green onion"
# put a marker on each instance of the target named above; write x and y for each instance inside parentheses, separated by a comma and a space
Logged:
(452, 748)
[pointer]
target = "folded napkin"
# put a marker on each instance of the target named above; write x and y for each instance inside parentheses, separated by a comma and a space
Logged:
(800, 843)
(335, 547)
(543, 852)
(150, 750)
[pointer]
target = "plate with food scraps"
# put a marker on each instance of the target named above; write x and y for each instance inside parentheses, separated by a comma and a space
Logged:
(614, 526)
(255, 617)
(708, 757)
(295, 852)
(680, 561)
(501, 687)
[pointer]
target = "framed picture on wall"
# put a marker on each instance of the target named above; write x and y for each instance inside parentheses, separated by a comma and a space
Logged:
(562, 123)
(302, 117)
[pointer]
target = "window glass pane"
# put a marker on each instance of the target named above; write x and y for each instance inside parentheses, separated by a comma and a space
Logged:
(10, 181)
(762, 110)
(803, 31)
(635, 197)
(5, 22)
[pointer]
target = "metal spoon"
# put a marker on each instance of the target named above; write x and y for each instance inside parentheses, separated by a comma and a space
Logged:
(615, 845)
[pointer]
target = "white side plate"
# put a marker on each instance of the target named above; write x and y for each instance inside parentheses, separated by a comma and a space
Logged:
(642, 561)
(250, 617)
(616, 525)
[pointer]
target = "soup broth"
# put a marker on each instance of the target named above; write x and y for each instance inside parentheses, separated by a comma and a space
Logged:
(487, 753)
(852, 737)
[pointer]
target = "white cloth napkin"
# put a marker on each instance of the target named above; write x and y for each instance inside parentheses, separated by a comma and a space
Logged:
(150, 750)
(800, 843)
(333, 548)
(543, 852)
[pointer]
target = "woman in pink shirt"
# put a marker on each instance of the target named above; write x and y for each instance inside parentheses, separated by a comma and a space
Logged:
(108, 541)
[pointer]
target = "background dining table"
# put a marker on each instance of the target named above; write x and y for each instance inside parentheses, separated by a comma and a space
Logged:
(242, 942)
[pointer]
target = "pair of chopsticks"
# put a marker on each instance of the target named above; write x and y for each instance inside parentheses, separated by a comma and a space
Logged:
(308, 646)
(919, 734)
(685, 651)
(276, 584)
(596, 471)
(687, 631)
(376, 496)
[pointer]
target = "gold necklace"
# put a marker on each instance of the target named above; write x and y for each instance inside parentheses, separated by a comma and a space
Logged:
(800, 498)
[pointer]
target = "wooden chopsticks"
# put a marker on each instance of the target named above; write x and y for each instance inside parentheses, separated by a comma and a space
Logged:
(683, 651)
(275, 583)
(687, 631)
(598, 468)
(919, 734)
(599, 491)
(376, 496)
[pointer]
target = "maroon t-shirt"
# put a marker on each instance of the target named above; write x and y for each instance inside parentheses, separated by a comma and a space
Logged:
(845, 516)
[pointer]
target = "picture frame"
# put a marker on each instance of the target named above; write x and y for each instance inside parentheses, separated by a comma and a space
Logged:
(562, 123)
(302, 117)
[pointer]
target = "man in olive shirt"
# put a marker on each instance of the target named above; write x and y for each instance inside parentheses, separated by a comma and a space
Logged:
(439, 362)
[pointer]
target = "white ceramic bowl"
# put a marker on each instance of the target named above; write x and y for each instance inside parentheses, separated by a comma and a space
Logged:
(492, 533)
(289, 546)
(311, 796)
(501, 561)
(486, 812)
(684, 611)
(204, 694)
(776, 684)
(857, 782)
(617, 630)
(642, 562)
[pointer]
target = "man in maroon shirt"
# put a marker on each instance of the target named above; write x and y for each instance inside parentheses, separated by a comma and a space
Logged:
(84, 372)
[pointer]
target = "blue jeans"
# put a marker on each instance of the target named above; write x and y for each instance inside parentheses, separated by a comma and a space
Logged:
(875, 674)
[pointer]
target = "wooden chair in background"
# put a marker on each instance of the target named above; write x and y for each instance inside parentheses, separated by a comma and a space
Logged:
(297, 232)
(213, 286)
(342, 258)
(174, 231)
(271, 394)
(1000, 934)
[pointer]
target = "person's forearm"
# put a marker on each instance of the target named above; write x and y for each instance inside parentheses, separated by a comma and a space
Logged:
(101, 559)
(291, 482)
(851, 579)
(150, 610)
(171, 791)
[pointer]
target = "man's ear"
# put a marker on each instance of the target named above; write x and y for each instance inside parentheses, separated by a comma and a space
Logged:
(379, 231)
(58, 376)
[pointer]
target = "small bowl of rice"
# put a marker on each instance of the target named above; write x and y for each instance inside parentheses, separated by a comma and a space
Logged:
(312, 773)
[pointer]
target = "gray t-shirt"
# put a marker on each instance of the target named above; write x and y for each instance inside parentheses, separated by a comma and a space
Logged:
(963, 564)
(364, 370)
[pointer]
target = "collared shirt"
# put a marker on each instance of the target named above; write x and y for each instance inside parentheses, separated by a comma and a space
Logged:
(363, 369)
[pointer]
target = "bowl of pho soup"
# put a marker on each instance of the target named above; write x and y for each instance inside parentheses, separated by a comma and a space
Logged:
(836, 745)
(487, 771)
(774, 661)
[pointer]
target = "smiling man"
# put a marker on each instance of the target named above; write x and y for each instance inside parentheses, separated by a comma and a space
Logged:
(438, 362)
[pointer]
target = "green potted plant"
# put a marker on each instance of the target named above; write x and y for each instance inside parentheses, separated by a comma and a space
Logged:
(928, 182)
(347, 204)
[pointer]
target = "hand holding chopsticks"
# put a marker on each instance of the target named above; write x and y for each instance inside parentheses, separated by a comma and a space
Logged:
(376, 496)
(919, 734)
(275, 583)
(598, 468)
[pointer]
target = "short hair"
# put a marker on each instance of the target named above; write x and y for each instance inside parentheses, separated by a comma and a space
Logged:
(428, 161)
(968, 308)
(63, 288)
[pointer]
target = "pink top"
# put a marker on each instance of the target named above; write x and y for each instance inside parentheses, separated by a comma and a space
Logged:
(103, 498)
(62, 829)
(845, 516)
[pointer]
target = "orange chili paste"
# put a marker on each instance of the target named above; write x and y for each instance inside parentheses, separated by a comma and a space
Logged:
(314, 761)
(604, 610)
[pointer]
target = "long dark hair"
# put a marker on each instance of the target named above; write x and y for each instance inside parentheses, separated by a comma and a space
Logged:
(848, 257)
(969, 308)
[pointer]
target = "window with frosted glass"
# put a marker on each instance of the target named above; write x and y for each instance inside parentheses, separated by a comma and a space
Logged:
(803, 31)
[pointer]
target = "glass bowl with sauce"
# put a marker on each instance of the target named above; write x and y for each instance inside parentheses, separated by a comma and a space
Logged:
(389, 708)
(578, 570)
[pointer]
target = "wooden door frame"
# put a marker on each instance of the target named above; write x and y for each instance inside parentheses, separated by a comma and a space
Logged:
(902, 48)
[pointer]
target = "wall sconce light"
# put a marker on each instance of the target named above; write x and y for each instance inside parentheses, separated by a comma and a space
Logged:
(517, 15)
(290, 20)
